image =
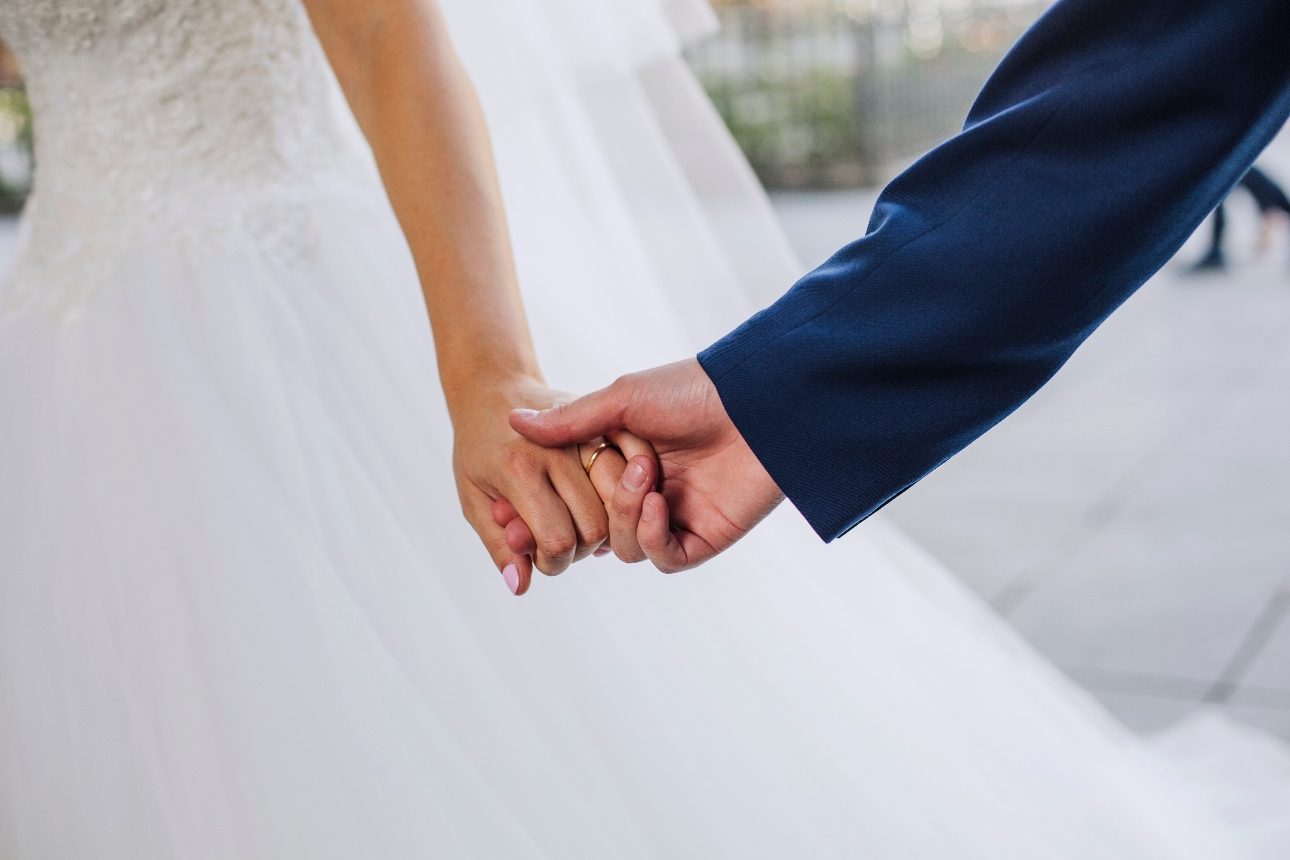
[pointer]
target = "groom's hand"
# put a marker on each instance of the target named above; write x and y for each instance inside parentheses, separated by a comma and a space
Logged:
(712, 491)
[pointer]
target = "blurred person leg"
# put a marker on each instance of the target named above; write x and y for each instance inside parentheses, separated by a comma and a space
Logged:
(1274, 206)
(1214, 261)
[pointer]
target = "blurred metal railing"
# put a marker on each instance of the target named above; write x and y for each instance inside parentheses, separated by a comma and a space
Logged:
(831, 93)
(818, 93)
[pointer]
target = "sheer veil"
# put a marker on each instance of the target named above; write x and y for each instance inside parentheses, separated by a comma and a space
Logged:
(608, 147)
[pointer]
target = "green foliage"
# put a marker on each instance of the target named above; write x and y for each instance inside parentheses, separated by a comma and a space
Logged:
(795, 131)
(16, 147)
(826, 93)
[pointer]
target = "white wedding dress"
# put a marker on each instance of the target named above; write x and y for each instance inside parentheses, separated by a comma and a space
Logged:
(241, 615)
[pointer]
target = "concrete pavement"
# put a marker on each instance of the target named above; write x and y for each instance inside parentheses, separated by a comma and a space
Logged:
(1133, 519)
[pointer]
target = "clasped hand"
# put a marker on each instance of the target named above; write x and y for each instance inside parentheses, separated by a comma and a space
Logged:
(679, 486)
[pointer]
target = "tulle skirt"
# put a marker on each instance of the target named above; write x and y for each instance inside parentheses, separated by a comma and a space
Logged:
(242, 616)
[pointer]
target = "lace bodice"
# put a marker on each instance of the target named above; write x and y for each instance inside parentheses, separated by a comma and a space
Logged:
(146, 107)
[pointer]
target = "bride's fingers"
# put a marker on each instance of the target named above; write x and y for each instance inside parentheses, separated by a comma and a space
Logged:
(589, 518)
(605, 472)
(543, 510)
(516, 568)
(519, 539)
(521, 567)
(504, 512)
(603, 466)
(518, 536)
(632, 445)
(634, 484)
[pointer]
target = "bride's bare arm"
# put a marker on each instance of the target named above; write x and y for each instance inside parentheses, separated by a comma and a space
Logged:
(419, 112)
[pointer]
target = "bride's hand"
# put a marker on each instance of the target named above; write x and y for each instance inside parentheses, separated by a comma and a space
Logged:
(547, 488)
(415, 104)
(605, 461)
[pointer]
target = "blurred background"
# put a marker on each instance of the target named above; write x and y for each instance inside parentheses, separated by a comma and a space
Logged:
(1133, 519)
(15, 136)
(827, 94)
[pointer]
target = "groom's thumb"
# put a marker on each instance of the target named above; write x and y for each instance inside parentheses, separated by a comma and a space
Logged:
(572, 423)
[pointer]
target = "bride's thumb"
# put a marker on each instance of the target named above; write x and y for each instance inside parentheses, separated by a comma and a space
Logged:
(570, 423)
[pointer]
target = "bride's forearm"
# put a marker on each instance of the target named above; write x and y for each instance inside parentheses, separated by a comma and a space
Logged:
(419, 112)
(417, 108)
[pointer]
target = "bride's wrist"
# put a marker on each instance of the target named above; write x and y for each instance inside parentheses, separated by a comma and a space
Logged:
(493, 390)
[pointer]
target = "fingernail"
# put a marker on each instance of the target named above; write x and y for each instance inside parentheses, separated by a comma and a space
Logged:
(634, 476)
(602, 552)
(649, 511)
(526, 413)
(511, 574)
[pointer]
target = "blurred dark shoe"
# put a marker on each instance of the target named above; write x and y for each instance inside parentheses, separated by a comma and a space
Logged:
(1212, 262)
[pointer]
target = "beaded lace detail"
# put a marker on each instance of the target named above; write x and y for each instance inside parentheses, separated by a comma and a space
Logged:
(179, 116)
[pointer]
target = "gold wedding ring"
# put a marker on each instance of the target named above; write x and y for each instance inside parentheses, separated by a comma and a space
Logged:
(594, 454)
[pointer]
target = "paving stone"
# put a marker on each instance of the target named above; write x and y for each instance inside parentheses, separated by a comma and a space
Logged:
(1134, 516)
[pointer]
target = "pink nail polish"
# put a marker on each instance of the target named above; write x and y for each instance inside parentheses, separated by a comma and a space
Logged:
(602, 552)
(511, 574)
(634, 477)
(526, 413)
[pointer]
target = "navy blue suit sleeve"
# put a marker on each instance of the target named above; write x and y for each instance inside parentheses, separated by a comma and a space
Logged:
(1102, 140)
